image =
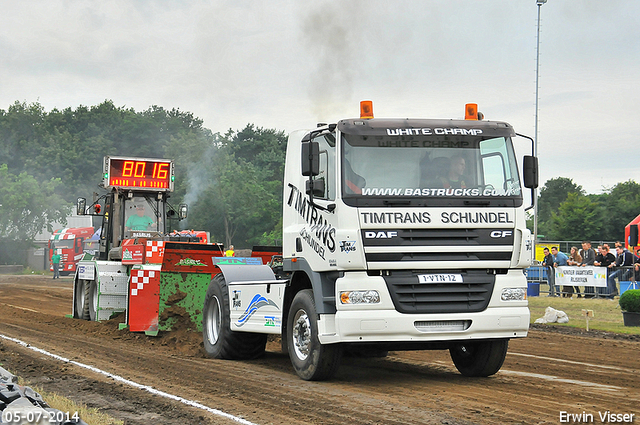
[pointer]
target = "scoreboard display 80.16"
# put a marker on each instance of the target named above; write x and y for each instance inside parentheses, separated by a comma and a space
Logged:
(138, 173)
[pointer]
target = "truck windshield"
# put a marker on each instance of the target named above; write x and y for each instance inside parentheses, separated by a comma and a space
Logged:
(62, 243)
(429, 169)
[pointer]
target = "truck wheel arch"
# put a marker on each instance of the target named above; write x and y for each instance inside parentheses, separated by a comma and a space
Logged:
(299, 281)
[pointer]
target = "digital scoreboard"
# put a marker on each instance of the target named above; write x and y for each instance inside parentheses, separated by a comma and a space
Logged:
(138, 173)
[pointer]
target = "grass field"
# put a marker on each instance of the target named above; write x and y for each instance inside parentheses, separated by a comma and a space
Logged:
(607, 315)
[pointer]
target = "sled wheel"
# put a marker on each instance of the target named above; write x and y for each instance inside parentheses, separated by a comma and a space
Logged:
(311, 360)
(220, 342)
(482, 358)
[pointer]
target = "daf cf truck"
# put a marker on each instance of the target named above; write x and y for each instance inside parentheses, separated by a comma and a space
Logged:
(398, 234)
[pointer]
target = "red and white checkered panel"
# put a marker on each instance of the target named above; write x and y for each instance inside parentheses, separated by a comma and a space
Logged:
(144, 296)
(154, 252)
(141, 277)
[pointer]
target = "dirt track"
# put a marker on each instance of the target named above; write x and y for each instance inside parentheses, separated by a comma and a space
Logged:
(544, 374)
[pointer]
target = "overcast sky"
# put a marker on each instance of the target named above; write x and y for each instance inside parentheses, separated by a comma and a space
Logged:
(288, 64)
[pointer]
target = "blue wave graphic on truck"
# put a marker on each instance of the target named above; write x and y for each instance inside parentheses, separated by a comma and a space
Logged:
(256, 303)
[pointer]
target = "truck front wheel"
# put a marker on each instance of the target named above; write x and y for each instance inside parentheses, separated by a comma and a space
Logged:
(311, 360)
(220, 342)
(481, 358)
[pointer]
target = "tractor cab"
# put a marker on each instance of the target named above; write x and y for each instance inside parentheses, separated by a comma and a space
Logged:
(136, 206)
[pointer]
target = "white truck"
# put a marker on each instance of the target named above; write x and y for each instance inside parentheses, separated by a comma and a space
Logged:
(399, 234)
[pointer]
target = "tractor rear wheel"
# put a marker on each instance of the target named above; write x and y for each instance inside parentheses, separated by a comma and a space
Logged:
(91, 300)
(81, 307)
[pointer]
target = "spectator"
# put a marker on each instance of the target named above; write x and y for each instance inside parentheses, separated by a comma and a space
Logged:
(599, 256)
(636, 275)
(230, 252)
(55, 263)
(551, 273)
(624, 261)
(575, 259)
(604, 259)
(560, 259)
(588, 258)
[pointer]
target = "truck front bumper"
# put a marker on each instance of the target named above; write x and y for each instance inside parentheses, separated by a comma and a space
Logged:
(373, 326)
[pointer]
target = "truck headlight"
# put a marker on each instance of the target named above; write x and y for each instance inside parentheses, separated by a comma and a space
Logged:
(359, 297)
(514, 294)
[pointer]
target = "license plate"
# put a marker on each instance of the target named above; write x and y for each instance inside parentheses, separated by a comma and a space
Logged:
(440, 278)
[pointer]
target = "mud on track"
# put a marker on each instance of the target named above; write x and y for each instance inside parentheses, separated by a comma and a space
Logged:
(544, 374)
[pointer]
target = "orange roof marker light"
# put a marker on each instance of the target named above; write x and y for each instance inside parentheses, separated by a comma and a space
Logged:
(471, 112)
(366, 109)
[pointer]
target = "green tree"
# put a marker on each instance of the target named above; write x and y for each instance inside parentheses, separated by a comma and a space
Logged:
(235, 187)
(622, 204)
(555, 192)
(26, 207)
(264, 148)
(234, 205)
(21, 132)
(578, 218)
(68, 145)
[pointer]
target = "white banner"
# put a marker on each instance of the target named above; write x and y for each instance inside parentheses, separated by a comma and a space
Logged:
(581, 276)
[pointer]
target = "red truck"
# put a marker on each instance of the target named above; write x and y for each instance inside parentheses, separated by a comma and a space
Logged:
(69, 243)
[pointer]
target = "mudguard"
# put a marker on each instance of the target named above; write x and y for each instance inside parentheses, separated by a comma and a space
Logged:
(255, 298)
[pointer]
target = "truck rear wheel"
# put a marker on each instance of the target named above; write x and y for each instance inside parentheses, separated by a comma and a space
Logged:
(482, 358)
(311, 360)
(220, 342)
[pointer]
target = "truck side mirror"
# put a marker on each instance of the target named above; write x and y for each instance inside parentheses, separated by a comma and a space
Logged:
(317, 186)
(633, 235)
(81, 206)
(310, 158)
(530, 171)
(182, 211)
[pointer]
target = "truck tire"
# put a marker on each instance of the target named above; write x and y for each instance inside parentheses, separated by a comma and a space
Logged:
(483, 358)
(311, 360)
(220, 342)
(91, 300)
(81, 308)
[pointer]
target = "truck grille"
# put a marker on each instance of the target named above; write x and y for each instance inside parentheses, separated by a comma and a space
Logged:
(437, 245)
(412, 297)
(438, 256)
